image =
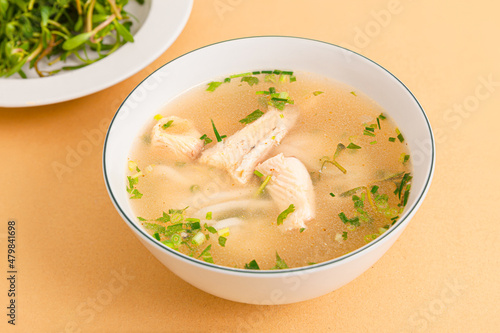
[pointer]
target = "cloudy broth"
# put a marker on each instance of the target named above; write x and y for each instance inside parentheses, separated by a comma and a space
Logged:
(351, 208)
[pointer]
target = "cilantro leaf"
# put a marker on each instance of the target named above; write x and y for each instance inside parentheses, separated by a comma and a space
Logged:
(280, 263)
(252, 265)
(252, 117)
(283, 215)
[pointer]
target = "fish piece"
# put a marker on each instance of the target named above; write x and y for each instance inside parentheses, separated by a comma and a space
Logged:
(177, 136)
(242, 151)
(290, 184)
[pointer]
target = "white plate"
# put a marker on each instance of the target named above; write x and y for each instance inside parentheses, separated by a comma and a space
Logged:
(164, 21)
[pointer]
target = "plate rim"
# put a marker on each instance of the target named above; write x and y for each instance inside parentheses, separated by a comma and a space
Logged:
(21, 93)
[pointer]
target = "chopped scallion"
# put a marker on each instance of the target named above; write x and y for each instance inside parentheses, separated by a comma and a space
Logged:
(157, 236)
(208, 216)
(213, 85)
(167, 124)
(316, 93)
(158, 117)
(353, 146)
(199, 238)
(219, 139)
(332, 195)
(258, 174)
(301, 230)
(391, 139)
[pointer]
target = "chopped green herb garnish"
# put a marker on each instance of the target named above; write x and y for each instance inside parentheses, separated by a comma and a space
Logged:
(222, 241)
(311, 263)
(293, 79)
(252, 265)
(174, 228)
(276, 71)
(194, 188)
(365, 132)
(374, 189)
(381, 116)
(400, 136)
(131, 183)
(165, 218)
(406, 179)
(280, 263)
(256, 73)
(371, 129)
(378, 123)
(352, 92)
(227, 80)
(332, 195)
(167, 124)
(373, 142)
(258, 174)
(155, 227)
(284, 214)
(219, 139)
(136, 194)
(141, 218)
(344, 235)
(287, 73)
(180, 164)
(354, 221)
(192, 219)
(206, 139)
(206, 256)
(267, 72)
(353, 146)
(158, 117)
(213, 85)
(210, 229)
(351, 192)
(301, 230)
(263, 185)
(157, 236)
(251, 80)
(391, 139)
(316, 93)
(240, 75)
(208, 216)
(252, 117)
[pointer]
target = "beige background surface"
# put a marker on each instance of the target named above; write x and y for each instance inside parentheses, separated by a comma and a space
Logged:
(442, 275)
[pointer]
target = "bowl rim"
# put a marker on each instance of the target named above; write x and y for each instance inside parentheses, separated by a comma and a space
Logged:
(242, 271)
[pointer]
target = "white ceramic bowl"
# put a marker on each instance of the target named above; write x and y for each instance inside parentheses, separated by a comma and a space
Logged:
(244, 55)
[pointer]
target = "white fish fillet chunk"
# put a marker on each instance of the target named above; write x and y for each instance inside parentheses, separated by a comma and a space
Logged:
(242, 151)
(179, 137)
(290, 184)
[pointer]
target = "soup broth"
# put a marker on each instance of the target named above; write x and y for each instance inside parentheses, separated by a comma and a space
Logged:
(356, 159)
